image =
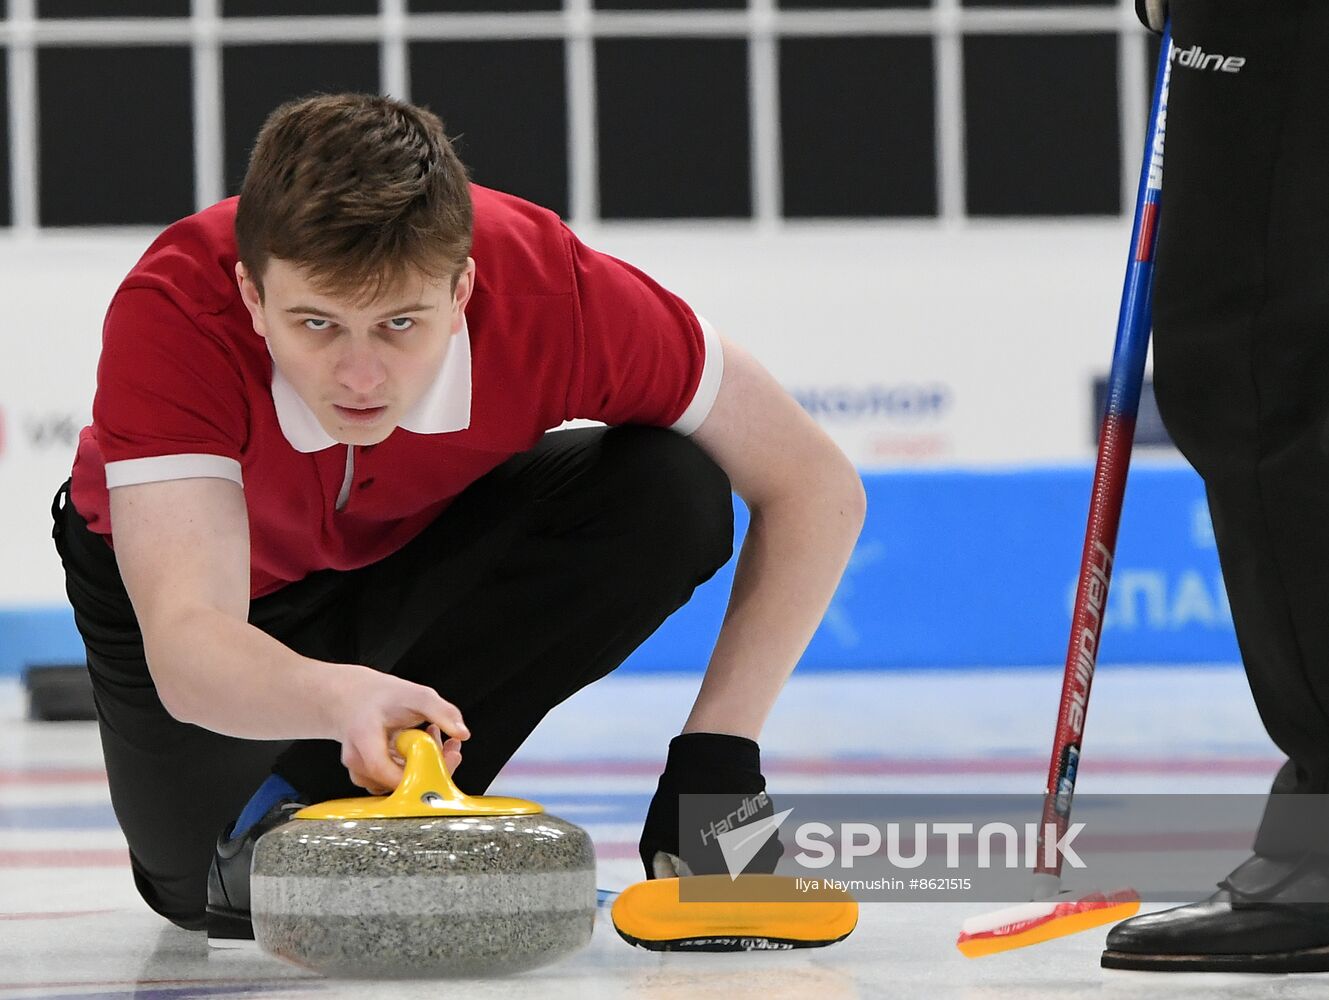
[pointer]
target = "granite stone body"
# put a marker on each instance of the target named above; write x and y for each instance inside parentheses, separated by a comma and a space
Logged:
(429, 896)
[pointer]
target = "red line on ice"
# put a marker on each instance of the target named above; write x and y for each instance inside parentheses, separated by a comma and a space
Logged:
(59, 915)
(117, 857)
(52, 776)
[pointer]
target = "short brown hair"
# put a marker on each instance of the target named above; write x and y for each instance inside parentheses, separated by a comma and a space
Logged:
(356, 190)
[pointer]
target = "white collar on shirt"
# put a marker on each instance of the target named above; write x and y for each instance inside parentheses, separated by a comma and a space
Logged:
(444, 408)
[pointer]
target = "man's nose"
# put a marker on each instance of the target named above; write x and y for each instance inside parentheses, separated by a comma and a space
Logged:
(360, 369)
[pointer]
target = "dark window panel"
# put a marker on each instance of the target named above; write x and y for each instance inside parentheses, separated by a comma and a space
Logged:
(479, 6)
(851, 4)
(1041, 125)
(6, 209)
(257, 78)
(858, 127)
(670, 4)
(673, 128)
(116, 135)
(275, 8)
(112, 8)
(505, 103)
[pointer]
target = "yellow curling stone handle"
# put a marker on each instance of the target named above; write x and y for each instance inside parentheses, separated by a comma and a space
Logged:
(425, 790)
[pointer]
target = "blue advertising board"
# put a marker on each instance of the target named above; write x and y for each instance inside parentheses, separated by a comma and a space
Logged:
(978, 568)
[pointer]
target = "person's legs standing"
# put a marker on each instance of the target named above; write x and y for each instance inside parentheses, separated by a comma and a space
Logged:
(1241, 356)
(1241, 364)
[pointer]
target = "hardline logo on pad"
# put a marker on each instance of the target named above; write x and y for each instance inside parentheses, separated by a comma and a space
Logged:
(740, 841)
(741, 844)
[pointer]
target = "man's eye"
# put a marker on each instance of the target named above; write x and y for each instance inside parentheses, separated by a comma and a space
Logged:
(400, 324)
(318, 325)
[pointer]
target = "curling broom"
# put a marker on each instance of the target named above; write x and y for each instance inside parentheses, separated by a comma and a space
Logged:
(1053, 913)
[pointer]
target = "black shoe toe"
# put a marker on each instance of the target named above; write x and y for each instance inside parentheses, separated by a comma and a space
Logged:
(1180, 929)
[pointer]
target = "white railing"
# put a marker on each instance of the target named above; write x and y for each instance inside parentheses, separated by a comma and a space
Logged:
(393, 28)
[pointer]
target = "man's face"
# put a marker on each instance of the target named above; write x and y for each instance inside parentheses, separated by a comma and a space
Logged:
(359, 367)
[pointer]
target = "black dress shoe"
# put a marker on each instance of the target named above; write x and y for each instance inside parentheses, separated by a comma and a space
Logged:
(1269, 915)
(228, 879)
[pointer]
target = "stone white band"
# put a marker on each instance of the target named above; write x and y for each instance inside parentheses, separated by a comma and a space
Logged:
(432, 895)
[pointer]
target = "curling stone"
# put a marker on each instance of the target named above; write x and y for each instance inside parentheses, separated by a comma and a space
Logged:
(426, 881)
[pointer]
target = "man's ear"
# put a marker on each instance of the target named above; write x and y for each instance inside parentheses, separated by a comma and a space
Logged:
(461, 293)
(252, 298)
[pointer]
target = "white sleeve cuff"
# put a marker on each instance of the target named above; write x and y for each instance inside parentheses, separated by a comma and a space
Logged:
(162, 468)
(708, 386)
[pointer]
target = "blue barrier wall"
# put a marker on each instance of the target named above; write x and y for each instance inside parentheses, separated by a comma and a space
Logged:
(953, 569)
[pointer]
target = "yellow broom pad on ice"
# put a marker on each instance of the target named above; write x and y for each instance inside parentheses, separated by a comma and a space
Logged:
(716, 913)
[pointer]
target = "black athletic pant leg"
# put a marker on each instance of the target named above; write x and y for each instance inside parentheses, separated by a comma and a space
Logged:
(1241, 347)
(539, 579)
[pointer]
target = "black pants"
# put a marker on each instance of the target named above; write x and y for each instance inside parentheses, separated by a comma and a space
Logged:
(541, 578)
(1241, 350)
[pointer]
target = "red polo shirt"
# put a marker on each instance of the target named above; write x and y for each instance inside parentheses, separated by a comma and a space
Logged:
(554, 331)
